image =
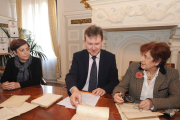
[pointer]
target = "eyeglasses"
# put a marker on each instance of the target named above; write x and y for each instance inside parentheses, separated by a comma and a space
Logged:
(132, 100)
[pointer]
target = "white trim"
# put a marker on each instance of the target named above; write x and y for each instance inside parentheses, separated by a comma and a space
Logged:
(73, 38)
(72, 52)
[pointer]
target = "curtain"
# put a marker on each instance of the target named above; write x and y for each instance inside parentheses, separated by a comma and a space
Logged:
(53, 29)
(19, 12)
(35, 19)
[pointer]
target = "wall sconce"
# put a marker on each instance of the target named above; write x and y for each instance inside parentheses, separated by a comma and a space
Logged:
(86, 4)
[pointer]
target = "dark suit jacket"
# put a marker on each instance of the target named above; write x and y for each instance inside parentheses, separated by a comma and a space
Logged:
(107, 76)
(166, 93)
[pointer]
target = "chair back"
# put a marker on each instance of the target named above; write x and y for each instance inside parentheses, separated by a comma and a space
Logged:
(43, 81)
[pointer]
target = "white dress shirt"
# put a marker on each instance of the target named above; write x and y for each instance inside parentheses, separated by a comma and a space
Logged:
(86, 86)
(147, 90)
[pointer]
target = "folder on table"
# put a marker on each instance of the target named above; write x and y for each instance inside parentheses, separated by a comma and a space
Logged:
(46, 100)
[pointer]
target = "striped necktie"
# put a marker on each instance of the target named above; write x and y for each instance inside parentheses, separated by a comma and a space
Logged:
(93, 76)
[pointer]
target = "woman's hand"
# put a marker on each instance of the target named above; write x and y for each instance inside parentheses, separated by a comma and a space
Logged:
(10, 85)
(118, 98)
(146, 104)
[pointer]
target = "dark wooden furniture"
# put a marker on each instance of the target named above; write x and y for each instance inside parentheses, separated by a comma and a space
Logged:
(54, 112)
(168, 64)
(57, 112)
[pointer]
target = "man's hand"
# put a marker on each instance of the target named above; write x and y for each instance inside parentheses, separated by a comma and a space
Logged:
(118, 98)
(98, 92)
(146, 104)
(10, 85)
(76, 96)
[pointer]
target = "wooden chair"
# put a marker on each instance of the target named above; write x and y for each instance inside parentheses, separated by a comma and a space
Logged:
(2, 68)
(43, 81)
(168, 64)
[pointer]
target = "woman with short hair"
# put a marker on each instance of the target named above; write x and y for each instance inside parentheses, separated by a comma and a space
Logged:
(23, 70)
(151, 81)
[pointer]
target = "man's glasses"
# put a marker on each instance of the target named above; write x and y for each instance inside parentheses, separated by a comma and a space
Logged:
(132, 100)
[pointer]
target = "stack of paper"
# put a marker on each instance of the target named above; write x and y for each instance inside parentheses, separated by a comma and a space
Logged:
(87, 99)
(15, 101)
(16, 105)
(91, 113)
(7, 113)
(130, 111)
(46, 100)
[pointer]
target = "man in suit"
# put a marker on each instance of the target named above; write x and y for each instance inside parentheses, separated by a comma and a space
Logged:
(92, 69)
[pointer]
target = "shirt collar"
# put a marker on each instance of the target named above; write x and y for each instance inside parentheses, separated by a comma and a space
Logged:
(156, 74)
(98, 55)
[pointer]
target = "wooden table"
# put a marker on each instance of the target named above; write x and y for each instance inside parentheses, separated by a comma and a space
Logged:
(57, 112)
(54, 112)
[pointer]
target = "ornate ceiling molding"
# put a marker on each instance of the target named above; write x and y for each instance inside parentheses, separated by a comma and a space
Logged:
(137, 13)
(86, 5)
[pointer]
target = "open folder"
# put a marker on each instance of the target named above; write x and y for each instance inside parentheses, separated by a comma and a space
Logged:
(85, 112)
(46, 100)
(15, 101)
(132, 112)
(10, 112)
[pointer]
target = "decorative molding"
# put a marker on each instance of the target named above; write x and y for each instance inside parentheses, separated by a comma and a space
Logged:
(3, 25)
(81, 21)
(72, 50)
(5, 19)
(116, 13)
(78, 15)
(73, 35)
(86, 5)
(83, 30)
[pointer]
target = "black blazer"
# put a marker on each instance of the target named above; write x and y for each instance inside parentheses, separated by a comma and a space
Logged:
(35, 72)
(107, 76)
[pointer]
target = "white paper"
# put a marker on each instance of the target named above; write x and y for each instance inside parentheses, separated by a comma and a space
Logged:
(88, 99)
(66, 102)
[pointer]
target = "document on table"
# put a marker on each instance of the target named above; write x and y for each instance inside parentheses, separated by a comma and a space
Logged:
(15, 101)
(91, 113)
(46, 100)
(8, 113)
(87, 99)
(127, 111)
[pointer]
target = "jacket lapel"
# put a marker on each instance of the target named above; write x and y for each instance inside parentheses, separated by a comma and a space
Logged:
(139, 83)
(159, 80)
(86, 62)
(101, 64)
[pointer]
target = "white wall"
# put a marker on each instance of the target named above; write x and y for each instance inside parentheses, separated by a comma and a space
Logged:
(5, 13)
(5, 8)
(73, 5)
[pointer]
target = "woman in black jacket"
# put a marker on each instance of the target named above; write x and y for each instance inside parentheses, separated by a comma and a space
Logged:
(23, 70)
